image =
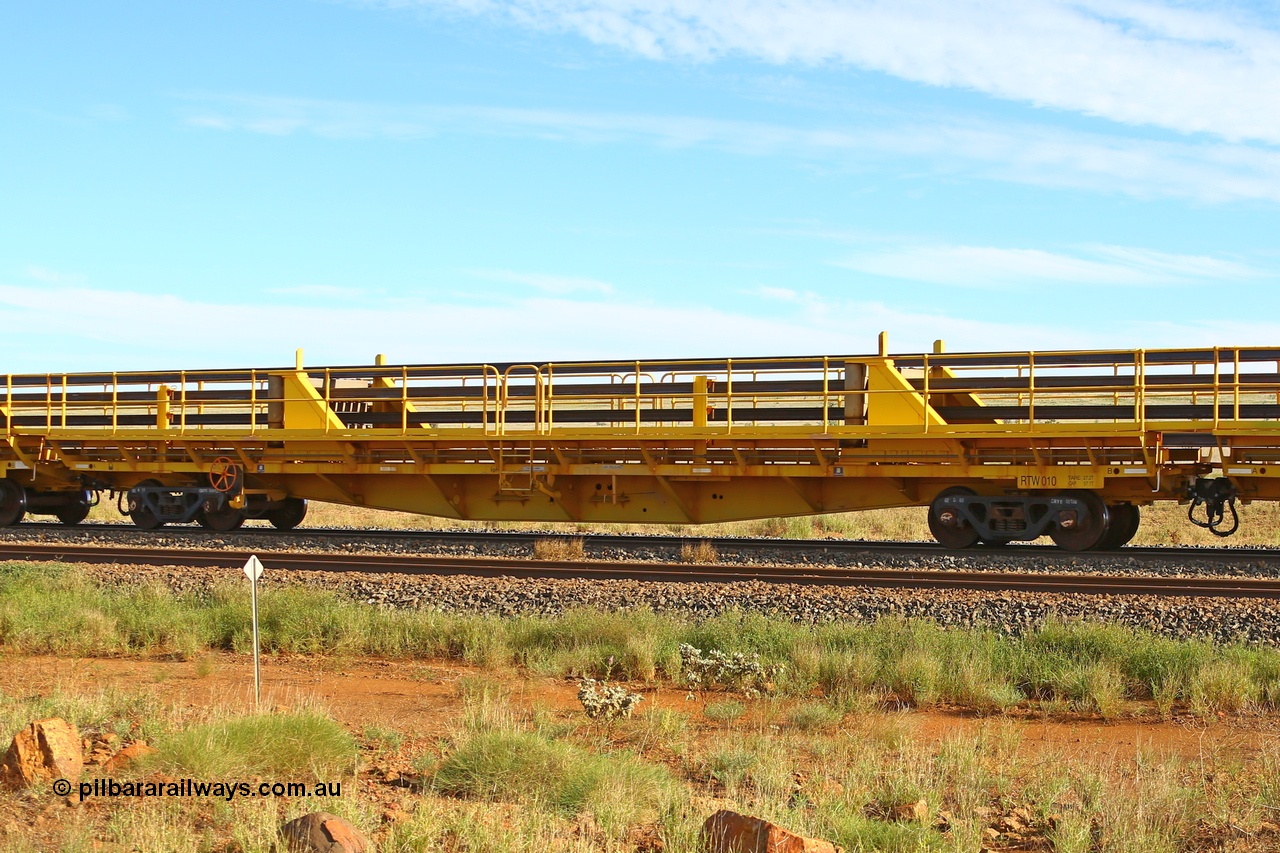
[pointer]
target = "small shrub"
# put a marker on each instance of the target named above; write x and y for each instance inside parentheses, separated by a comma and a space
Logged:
(602, 701)
(735, 671)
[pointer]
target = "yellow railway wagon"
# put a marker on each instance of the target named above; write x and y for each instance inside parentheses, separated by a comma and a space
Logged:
(1000, 445)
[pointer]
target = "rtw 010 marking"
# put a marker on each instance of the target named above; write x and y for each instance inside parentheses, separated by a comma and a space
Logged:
(1059, 481)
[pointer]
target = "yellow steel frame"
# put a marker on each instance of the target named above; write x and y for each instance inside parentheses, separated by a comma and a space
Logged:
(666, 441)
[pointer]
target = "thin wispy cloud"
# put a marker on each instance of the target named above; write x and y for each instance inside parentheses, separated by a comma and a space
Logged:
(1015, 152)
(531, 330)
(781, 294)
(320, 291)
(1185, 67)
(558, 285)
(995, 267)
(37, 272)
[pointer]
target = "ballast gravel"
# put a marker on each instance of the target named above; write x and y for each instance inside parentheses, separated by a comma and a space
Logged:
(1224, 620)
(1218, 619)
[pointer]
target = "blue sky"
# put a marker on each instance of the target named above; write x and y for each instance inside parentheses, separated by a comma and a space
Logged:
(210, 184)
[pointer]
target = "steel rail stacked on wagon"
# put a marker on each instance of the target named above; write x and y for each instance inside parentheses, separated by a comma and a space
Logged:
(1001, 446)
(663, 572)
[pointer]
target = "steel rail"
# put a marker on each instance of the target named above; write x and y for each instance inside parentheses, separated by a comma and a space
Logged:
(489, 567)
(817, 547)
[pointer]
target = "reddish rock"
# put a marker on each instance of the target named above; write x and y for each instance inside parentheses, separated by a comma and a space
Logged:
(730, 832)
(127, 756)
(321, 832)
(917, 812)
(44, 750)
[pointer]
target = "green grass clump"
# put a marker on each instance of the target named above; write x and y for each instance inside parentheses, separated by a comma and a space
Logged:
(812, 716)
(724, 712)
(620, 790)
(279, 746)
(1089, 667)
(731, 766)
(124, 713)
(635, 645)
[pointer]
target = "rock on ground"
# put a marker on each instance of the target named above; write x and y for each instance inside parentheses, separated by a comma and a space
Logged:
(46, 749)
(127, 756)
(730, 832)
(321, 832)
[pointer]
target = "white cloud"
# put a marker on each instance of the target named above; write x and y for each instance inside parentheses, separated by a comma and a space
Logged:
(320, 291)
(989, 266)
(558, 285)
(1168, 64)
(781, 294)
(113, 330)
(1021, 153)
(52, 276)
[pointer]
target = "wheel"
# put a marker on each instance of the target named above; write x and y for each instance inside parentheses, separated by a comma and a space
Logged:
(1135, 521)
(221, 521)
(948, 526)
(72, 514)
(1117, 522)
(224, 474)
(288, 515)
(1089, 532)
(13, 503)
(144, 518)
(1122, 526)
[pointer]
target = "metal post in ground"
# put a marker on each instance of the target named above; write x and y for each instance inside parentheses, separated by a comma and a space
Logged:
(253, 569)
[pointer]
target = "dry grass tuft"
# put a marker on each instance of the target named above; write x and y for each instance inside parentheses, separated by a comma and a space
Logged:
(559, 549)
(700, 551)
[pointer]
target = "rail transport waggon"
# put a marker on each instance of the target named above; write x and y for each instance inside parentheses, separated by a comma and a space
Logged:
(1000, 446)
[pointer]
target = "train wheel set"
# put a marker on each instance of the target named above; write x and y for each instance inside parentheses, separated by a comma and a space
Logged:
(1001, 447)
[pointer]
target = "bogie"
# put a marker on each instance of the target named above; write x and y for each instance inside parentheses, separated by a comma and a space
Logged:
(1076, 520)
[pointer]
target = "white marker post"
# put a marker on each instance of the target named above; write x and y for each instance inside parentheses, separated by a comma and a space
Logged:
(253, 569)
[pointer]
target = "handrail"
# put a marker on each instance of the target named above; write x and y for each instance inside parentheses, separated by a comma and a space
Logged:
(1235, 385)
(404, 400)
(537, 398)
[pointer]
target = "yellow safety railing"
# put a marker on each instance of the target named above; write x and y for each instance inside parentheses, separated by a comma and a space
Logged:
(1024, 391)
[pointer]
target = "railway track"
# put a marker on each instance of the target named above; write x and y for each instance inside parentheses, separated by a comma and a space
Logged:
(1091, 584)
(45, 531)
